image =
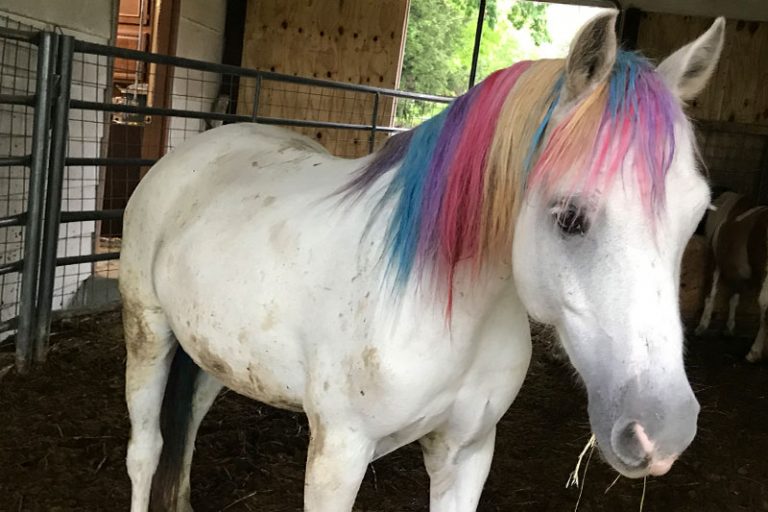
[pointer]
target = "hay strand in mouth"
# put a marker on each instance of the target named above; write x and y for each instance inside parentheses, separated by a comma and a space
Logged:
(573, 478)
(612, 483)
(578, 481)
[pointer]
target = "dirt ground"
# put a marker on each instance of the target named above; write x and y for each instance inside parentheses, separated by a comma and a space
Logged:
(63, 432)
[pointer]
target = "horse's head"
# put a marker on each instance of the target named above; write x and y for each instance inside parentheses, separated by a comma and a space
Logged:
(601, 233)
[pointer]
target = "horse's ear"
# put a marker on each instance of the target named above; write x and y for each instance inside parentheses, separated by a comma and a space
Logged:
(592, 55)
(687, 70)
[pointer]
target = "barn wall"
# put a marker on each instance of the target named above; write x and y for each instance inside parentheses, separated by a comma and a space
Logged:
(359, 42)
(734, 106)
(200, 36)
(92, 20)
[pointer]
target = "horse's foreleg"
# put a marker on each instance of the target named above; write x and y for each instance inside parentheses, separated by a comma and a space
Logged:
(457, 471)
(336, 464)
(733, 303)
(149, 351)
(709, 304)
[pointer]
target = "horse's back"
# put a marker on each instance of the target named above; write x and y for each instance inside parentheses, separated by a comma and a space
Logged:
(211, 158)
(201, 174)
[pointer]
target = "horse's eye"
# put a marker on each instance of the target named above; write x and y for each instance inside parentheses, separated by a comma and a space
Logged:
(571, 220)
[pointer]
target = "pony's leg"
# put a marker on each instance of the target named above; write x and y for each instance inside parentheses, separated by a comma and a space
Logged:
(457, 471)
(733, 303)
(759, 348)
(149, 351)
(336, 464)
(709, 304)
(207, 388)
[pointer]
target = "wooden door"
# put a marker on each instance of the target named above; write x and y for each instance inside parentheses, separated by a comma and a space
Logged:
(134, 31)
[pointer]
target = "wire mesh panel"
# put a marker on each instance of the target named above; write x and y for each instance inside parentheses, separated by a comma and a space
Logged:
(18, 62)
(88, 132)
(735, 158)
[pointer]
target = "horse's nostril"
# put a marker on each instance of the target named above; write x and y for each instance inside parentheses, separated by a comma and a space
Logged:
(634, 447)
(645, 442)
(631, 444)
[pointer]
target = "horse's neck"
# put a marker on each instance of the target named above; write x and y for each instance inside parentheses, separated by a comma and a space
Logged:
(477, 290)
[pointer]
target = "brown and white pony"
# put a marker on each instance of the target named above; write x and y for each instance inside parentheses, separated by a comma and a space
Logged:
(737, 234)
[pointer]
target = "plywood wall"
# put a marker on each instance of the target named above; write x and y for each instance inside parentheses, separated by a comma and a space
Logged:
(355, 41)
(733, 109)
(737, 91)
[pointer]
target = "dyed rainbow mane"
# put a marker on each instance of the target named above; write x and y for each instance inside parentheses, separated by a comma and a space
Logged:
(462, 173)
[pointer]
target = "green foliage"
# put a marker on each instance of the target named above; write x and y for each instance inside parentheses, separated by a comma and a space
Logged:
(533, 16)
(440, 38)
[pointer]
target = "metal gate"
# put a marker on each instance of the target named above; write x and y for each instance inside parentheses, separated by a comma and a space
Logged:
(64, 186)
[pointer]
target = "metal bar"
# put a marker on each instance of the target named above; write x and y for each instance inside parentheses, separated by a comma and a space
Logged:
(476, 48)
(27, 302)
(111, 51)
(110, 161)
(60, 126)
(15, 160)
(392, 129)
(20, 35)
(374, 119)
(88, 215)
(256, 94)
(87, 258)
(17, 99)
(9, 325)
(13, 220)
(8, 268)
(111, 107)
(155, 111)
(311, 124)
(628, 27)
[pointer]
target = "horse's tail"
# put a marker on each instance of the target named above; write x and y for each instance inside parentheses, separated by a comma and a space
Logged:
(175, 419)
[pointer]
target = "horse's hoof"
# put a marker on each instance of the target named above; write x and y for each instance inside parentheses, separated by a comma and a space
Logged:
(753, 357)
(700, 330)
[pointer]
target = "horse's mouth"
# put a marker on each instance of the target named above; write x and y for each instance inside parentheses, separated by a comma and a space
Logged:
(641, 469)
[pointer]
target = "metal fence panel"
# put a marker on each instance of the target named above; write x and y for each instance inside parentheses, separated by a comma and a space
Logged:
(25, 138)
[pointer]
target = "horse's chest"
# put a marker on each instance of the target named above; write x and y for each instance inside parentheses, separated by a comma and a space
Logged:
(409, 383)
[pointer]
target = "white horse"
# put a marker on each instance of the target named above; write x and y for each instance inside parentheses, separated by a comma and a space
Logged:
(396, 311)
